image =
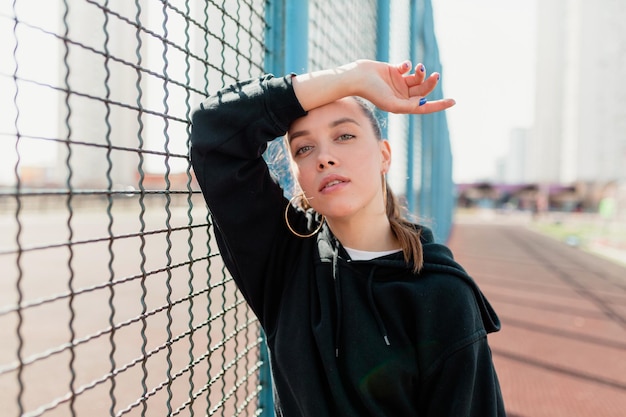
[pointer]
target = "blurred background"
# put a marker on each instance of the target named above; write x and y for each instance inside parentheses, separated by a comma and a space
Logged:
(540, 121)
(113, 296)
(539, 86)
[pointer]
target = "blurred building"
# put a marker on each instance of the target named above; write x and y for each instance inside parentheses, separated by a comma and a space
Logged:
(580, 121)
(511, 168)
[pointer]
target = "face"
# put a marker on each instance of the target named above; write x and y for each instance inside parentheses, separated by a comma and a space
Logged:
(338, 161)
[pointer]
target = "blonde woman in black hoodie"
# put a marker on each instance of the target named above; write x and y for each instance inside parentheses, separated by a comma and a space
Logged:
(365, 315)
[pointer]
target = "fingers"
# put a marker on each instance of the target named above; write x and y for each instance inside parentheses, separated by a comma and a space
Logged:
(416, 105)
(417, 82)
(410, 91)
(416, 78)
(423, 85)
(422, 106)
(404, 67)
(435, 106)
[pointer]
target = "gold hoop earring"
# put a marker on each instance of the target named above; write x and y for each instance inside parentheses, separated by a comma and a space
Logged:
(319, 227)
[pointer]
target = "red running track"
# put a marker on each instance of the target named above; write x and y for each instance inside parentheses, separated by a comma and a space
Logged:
(562, 348)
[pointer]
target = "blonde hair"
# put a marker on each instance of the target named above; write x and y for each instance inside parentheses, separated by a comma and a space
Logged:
(405, 231)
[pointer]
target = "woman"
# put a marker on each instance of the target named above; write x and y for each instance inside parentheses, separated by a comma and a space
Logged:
(364, 314)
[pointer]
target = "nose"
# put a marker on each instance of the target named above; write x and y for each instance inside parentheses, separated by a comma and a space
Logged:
(323, 165)
(325, 156)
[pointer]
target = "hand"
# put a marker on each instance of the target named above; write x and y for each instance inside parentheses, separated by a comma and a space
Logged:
(389, 87)
(394, 89)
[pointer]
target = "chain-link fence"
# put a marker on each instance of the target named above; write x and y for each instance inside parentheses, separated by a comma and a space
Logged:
(113, 297)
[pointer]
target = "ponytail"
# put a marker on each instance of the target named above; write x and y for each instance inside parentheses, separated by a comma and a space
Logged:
(406, 233)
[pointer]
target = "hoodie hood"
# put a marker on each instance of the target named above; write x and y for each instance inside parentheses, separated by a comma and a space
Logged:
(438, 259)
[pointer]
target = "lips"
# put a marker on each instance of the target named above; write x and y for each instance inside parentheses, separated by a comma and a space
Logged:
(332, 181)
(330, 184)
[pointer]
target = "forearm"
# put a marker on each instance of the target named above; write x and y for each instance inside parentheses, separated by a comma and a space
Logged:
(315, 89)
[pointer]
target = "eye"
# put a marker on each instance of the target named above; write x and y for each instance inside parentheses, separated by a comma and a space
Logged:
(345, 137)
(302, 150)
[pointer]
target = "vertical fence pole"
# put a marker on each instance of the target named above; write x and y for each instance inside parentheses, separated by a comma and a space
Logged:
(287, 38)
(426, 179)
(412, 146)
(275, 36)
(444, 201)
(266, 396)
(274, 63)
(430, 179)
(383, 27)
(297, 36)
(437, 188)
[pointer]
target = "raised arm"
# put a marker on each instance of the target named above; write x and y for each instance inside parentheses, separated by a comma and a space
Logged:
(391, 88)
(229, 134)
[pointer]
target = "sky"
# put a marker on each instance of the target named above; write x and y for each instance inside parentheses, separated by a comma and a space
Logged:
(487, 50)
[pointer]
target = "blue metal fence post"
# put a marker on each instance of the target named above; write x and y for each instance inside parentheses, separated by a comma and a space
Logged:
(430, 160)
(437, 185)
(297, 36)
(383, 28)
(275, 36)
(412, 146)
(274, 63)
(287, 39)
(266, 396)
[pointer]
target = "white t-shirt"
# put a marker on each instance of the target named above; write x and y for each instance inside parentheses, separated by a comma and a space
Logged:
(363, 255)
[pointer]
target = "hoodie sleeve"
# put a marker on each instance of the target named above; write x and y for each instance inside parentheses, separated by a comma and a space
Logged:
(465, 384)
(229, 134)
(459, 377)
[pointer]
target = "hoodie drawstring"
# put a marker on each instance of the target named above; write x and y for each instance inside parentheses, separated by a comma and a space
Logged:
(374, 307)
(339, 304)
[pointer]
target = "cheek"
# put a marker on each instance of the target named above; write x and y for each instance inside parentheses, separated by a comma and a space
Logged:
(302, 176)
(367, 162)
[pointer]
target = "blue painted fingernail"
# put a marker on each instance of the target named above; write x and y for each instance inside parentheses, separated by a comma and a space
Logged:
(422, 68)
(423, 101)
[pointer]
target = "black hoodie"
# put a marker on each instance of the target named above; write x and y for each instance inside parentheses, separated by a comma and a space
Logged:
(346, 338)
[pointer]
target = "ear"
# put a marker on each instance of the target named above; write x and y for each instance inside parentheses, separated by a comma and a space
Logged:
(385, 151)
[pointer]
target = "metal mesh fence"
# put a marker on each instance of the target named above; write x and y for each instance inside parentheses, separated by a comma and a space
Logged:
(113, 297)
(352, 37)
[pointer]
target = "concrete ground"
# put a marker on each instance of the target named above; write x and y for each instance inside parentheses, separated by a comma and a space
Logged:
(562, 347)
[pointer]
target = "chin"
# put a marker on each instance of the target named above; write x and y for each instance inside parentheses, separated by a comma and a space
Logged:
(338, 211)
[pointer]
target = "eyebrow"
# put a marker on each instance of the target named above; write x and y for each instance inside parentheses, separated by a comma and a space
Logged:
(334, 123)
